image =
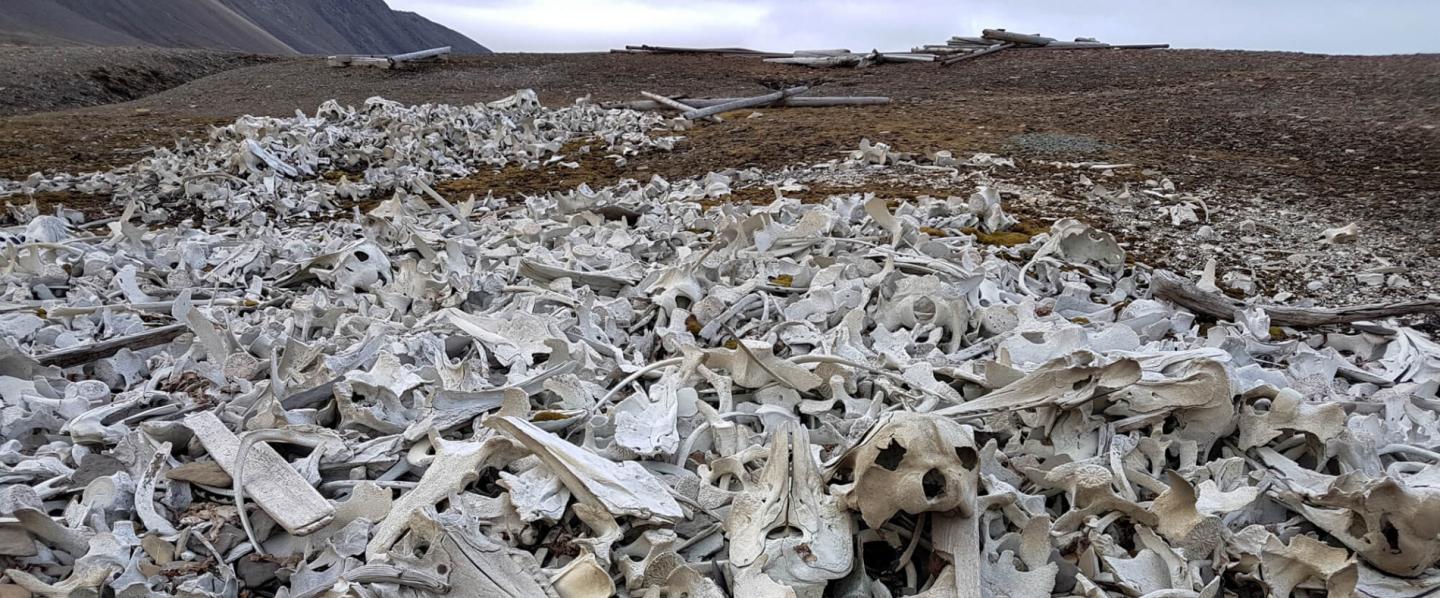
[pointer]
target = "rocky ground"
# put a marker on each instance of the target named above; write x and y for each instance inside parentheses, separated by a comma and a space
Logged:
(38, 79)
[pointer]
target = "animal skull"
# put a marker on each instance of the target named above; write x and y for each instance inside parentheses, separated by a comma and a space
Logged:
(915, 463)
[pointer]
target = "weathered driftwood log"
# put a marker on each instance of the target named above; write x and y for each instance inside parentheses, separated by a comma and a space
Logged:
(1180, 291)
(388, 62)
(680, 50)
(421, 55)
(677, 50)
(377, 61)
(677, 105)
(1016, 38)
(1079, 45)
(810, 102)
(820, 61)
(746, 103)
(883, 57)
(939, 49)
(84, 354)
(990, 50)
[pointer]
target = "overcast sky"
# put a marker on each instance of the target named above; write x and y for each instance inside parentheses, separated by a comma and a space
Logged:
(1330, 26)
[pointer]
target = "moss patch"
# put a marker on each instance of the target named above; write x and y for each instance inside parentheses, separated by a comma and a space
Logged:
(1007, 238)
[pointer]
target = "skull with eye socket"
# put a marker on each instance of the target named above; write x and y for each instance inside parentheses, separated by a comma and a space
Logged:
(362, 267)
(912, 462)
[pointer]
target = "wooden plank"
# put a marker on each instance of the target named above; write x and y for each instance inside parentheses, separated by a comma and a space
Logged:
(84, 354)
(746, 103)
(276, 487)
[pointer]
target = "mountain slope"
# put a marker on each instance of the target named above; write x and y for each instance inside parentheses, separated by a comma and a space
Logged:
(49, 21)
(354, 26)
(180, 24)
(257, 26)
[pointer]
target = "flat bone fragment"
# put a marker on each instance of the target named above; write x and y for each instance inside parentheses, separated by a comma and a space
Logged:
(1306, 559)
(1391, 525)
(1343, 234)
(625, 489)
(1055, 383)
(20, 501)
(785, 509)
(583, 578)
(284, 495)
(455, 465)
(480, 566)
(103, 558)
(959, 537)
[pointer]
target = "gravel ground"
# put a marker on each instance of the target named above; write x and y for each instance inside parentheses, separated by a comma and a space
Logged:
(53, 78)
(1057, 144)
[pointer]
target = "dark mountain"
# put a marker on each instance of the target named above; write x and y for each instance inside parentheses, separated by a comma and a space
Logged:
(258, 26)
(349, 26)
(46, 22)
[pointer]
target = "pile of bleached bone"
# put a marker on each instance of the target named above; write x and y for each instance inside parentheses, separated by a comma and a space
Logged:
(263, 166)
(625, 392)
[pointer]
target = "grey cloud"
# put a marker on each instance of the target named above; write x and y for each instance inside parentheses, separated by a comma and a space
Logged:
(1331, 26)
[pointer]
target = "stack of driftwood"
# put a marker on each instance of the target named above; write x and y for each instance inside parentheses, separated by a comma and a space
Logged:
(392, 61)
(959, 49)
(956, 49)
(646, 49)
(846, 58)
(838, 57)
(710, 109)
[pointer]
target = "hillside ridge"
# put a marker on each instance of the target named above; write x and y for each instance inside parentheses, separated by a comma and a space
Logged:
(252, 26)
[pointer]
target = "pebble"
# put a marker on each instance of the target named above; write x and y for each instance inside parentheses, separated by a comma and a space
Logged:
(1373, 279)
